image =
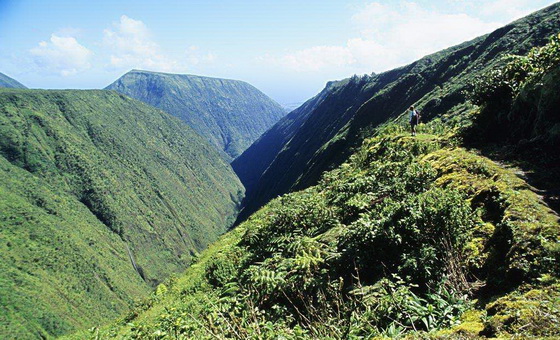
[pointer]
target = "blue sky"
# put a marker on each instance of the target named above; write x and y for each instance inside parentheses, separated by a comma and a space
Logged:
(288, 49)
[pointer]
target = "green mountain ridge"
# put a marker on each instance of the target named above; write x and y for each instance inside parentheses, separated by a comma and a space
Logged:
(231, 114)
(8, 82)
(411, 237)
(359, 230)
(322, 133)
(102, 198)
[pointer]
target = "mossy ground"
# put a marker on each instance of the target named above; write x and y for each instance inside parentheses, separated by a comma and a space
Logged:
(506, 262)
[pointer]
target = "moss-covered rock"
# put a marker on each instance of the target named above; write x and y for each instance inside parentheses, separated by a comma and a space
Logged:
(529, 312)
(519, 237)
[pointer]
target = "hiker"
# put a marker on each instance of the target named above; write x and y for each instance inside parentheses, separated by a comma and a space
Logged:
(413, 117)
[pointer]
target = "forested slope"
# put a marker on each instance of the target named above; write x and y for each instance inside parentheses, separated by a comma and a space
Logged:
(264, 150)
(102, 198)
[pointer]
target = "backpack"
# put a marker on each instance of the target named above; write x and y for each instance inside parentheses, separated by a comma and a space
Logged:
(414, 116)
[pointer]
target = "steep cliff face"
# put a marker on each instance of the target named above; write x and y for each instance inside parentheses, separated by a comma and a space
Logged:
(250, 165)
(102, 197)
(231, 114)
(319, 137)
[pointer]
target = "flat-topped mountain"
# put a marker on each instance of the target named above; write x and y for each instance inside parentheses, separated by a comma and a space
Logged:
(231, 114)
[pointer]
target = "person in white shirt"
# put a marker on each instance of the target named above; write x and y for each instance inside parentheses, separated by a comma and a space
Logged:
(413, 118)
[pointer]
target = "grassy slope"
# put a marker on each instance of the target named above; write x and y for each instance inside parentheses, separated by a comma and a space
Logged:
(348, 111)
(412, 237)
(231, 114)
(6, 81)
(519, 120)
(120, 180)
(61, 267)
(248, 284)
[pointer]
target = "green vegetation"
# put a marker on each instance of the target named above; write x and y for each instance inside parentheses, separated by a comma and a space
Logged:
(231, 114)
(324, 132)
(520, 101)
(101, 198)
(61, 268)
(6, 81)
(408, 237)
(518, 121)
(412, 237)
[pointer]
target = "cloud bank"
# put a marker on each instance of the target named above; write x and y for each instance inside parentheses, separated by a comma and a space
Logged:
(62, 55)
(130, 45)
(127, 44)
(387, 37)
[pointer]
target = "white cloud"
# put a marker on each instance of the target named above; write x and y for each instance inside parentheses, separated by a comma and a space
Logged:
(317, 58)
(62, 55)
(130, 45)
(409, 31)
(513, 9)
(195, 56)
(388, 36)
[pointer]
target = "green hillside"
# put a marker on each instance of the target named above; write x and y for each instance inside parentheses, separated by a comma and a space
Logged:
(414, 237)
(326, 130)
(101, 198)
(6, 81)
(231, 114)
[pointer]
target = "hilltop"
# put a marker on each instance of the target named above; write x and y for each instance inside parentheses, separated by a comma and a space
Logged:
(231, 114)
